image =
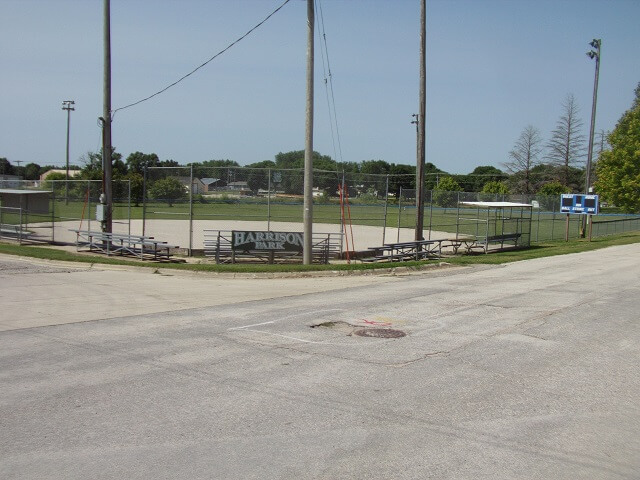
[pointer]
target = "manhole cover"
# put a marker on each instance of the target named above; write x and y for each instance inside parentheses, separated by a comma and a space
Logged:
(379, 333)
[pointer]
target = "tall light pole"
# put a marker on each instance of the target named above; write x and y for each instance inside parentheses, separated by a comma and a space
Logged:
(595, 53)
(68, 106)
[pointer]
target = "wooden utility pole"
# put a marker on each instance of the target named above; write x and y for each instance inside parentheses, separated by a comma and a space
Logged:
(420, 161)
(106, 121)
(308, 146)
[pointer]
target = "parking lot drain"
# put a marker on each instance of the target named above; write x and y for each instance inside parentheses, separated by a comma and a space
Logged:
(379, 333)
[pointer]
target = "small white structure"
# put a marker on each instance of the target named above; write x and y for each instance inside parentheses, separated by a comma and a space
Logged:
(501, 224)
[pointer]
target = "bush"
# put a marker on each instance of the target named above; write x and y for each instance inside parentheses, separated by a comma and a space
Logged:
(446, 193)
(167, 189)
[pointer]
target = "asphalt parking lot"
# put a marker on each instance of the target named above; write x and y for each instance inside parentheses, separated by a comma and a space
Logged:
(528, 370)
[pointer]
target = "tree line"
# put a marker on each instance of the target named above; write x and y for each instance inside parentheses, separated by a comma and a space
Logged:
(533, 167)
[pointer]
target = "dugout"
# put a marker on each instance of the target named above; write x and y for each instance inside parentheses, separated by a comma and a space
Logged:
(495, 226)
(19, 208)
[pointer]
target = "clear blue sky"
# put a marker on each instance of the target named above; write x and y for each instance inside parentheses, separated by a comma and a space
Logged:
(493, 67)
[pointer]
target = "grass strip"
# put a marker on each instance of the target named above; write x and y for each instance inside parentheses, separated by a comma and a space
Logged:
(536, 251)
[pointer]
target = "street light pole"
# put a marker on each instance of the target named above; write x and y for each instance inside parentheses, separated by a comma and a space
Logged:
(595, 53)
(68, 106)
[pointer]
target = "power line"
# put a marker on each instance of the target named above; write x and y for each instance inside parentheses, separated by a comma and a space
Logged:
(326, 89)
(329, 87)
(205, 63)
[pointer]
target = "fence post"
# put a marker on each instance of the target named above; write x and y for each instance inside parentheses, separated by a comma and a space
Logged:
(191, 211)
(457, 216)
(53, 217)
(386, 207)
(20, 229)
(399, 212)
(89, 205)
(269, 200)
(538, 225)
(430, 212)
(341, 212)
(129, 209)
(144, 199)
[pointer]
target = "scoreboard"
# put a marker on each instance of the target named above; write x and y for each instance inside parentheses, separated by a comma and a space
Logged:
(579, 203)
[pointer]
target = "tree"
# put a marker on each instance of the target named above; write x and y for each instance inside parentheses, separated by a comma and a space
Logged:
(446, 192)
(92, 169)
(293, 182)
(258, 176)
(263, 164)
(137, 161)
(566, 146)
(294, 159)
(137, 186)
(402, 176)
(167, 189)
(479, 177)
(431, 176)
(5, 167)
(372, 178)
(56, 183)
(495, 186)
(375, 167)
(524, 156)
(220, 163)
(549, 194)
(168, 163)
(553, 188)
(618, 169)
(32, 171)
(222, 169)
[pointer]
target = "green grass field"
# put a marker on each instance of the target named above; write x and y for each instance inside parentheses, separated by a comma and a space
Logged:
(544, 249)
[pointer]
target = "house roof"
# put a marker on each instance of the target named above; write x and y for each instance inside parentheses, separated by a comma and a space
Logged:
(209, 181)
(186, 180)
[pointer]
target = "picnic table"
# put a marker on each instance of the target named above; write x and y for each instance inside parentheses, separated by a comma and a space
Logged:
(482, 242)
(403, 251)
(123, 244)
(469, 243)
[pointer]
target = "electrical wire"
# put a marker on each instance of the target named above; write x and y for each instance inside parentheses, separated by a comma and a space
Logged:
(326, 88)
(205, 63)
(329, 87)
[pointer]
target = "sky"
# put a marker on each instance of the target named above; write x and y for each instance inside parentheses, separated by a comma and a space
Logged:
(493, 68)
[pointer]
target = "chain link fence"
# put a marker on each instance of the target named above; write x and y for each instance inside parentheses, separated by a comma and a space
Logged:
(71, 205)
(178, 203)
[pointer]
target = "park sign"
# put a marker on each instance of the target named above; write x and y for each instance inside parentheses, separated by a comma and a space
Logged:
(579, 203)
(243, 240)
